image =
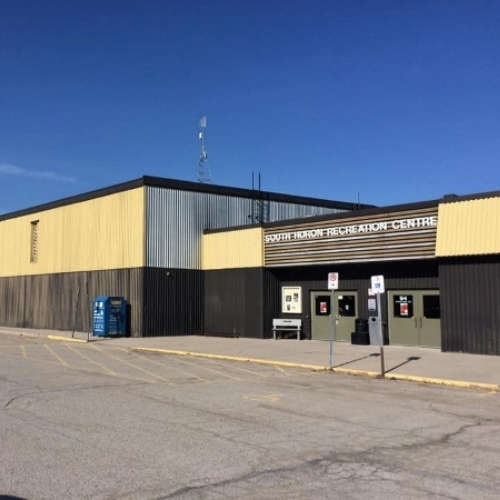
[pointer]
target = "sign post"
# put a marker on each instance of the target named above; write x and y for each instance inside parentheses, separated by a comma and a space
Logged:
(378, 287)
(333, 284)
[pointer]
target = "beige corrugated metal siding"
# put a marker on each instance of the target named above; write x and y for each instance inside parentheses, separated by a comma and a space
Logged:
(469, 228)
(103, 233)
(233, 249)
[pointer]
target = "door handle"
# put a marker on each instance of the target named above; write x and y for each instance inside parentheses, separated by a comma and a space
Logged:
(415, 320)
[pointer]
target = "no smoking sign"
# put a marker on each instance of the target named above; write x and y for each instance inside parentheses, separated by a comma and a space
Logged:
(333, 281)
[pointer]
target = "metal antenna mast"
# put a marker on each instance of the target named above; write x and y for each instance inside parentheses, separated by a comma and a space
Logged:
(203, 167)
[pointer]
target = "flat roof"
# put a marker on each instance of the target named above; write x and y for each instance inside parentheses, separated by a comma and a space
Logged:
(198, 187)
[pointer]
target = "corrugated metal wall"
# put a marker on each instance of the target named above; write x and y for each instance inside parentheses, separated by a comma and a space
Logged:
(233, 249)
(470, 305)
(102, 233)
(404, 275)
(173, 302)
(234, 302)
(50, 301)
(276, 211)
(469, 228)
(176, 220)
(243, 302)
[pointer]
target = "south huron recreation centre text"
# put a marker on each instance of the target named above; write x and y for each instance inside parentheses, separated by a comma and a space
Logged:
(371, 227)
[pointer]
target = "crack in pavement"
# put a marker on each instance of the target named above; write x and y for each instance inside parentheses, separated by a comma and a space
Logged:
(345, 467)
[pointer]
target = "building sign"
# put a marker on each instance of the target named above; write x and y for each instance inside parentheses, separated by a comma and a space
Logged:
(291, 299)
(303, 234)
(402, 235)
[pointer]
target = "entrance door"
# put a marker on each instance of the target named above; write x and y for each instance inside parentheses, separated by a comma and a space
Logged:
(414, 318)
(345, 313)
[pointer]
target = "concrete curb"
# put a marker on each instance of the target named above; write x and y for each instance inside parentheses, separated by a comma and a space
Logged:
(231, 358)
(346, 371)
(450, 383)
(66, 339)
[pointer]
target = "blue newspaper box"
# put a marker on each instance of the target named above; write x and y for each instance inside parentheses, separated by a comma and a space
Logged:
(109, 316)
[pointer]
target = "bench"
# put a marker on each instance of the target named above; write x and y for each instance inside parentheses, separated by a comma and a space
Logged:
(287, 325)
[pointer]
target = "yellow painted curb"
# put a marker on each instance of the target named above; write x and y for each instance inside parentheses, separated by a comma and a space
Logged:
(65, 339)
(363, 373)
(345, 371)
(233, 358)
(424, 380)
(450, 383)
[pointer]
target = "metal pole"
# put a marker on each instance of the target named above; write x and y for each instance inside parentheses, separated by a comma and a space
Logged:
(332, 328)
(381, 337)
(76, 312)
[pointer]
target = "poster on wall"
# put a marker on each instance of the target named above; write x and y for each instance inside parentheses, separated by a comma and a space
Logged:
(292, 299)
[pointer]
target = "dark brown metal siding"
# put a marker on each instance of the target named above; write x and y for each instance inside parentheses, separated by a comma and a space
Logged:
(470, 305)
(234, 302)
(49, 301)
(405, 275)
(173, 302)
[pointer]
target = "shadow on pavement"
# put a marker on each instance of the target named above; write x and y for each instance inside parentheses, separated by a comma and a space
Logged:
(411, 358)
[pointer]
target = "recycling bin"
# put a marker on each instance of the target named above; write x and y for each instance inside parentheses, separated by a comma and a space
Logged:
(109, 316)
(374, 329)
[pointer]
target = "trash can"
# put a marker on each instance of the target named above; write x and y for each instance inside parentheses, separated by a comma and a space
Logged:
(109, 316)
(360, 335)
(360, 338)
(374, 329)
(361, 325)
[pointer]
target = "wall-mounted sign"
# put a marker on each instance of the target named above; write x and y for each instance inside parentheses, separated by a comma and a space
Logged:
(378, 284)
(333, 281)
(329, 232)
(401, 235)
(403, 306)
(291, 299)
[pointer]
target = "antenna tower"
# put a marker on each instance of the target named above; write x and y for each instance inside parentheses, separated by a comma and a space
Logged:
(203, 167)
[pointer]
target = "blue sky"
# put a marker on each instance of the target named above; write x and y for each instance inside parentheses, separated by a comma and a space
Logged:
(395, 101)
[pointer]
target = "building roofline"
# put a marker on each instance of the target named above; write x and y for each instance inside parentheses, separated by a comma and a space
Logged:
(246, 193)
(356, 213)
(160, 182)
(454, 198)
(449, 198)
(333, 216)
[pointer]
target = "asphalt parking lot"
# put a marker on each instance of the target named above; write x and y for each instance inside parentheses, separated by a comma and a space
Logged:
(100, 421)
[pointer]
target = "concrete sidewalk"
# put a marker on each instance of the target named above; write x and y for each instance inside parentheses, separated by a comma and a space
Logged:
(403, 363)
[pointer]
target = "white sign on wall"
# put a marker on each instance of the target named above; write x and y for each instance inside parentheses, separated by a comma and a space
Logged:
(291, 299)
(378, 285)
(333, 281)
